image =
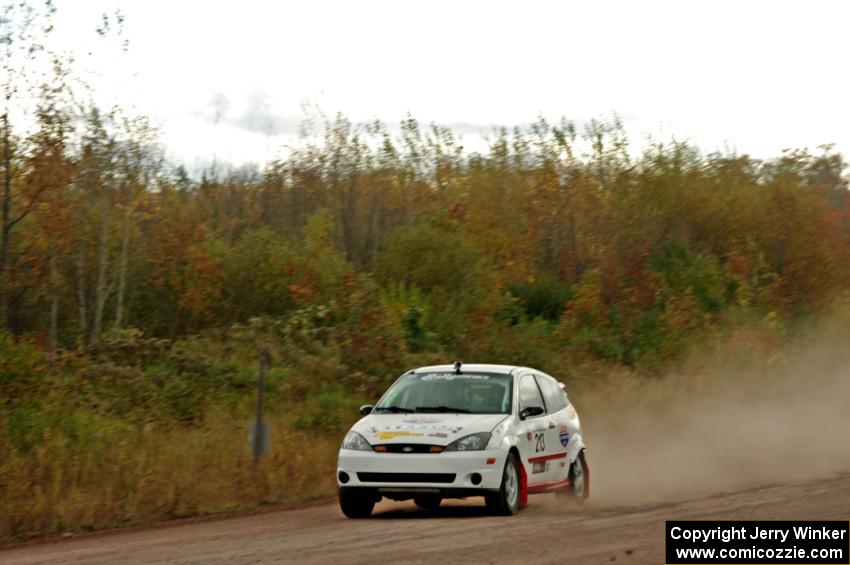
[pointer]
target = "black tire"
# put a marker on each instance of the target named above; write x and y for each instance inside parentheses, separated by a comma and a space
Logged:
(428, 501)
(506, 501)
(356, 503)
(579, 488)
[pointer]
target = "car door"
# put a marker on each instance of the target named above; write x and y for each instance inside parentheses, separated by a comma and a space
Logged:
(558, 425)
(536, 442)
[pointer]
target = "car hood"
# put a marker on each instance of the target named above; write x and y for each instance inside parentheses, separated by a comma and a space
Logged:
(435, 429)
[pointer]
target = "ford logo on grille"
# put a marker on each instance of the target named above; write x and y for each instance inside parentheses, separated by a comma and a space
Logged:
(407, 449)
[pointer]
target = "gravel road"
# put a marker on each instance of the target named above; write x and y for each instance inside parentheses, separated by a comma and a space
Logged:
(547, 531)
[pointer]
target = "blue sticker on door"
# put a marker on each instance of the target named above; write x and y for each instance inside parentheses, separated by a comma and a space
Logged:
(565, 437)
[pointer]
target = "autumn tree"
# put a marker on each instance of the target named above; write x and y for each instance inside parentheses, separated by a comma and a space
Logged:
(23, 32)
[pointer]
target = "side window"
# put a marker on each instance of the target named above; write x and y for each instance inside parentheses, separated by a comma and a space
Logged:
(529, 394)
(552, 393)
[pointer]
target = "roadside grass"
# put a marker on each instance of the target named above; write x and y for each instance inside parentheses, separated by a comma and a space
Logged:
(136, 475)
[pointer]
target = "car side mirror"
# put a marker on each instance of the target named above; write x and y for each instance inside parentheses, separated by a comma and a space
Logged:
(530, 412)
(366, 409)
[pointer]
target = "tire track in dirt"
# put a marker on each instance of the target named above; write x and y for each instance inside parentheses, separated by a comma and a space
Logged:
(549, 530)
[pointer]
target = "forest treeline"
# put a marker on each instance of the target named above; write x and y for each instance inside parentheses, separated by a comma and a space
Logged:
(619, 256)
(135, 298)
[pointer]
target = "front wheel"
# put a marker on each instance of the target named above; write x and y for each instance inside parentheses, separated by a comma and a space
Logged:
(356, 502)
(506, 501)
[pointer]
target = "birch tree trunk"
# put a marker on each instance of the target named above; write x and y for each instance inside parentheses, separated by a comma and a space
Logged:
(101, 289)
(122, 270)
(81, 291)
(53, 333)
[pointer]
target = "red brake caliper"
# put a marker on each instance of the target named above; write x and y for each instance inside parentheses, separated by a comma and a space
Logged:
(523, 486)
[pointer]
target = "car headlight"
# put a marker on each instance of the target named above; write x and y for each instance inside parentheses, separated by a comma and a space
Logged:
(474, 442)
(353, 440)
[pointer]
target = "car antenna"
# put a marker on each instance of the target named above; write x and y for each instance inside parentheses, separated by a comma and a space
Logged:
(457, 367)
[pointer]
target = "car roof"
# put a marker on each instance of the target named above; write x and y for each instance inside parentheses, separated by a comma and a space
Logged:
(470, 368)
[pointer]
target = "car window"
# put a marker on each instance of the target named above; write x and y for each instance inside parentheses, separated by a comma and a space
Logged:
(475, 393)
(529, 394)
(552, 394)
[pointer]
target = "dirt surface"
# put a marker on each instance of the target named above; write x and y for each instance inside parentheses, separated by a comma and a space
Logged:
(547, 531)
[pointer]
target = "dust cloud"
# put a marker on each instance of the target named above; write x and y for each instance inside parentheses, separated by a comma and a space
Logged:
(779, 416)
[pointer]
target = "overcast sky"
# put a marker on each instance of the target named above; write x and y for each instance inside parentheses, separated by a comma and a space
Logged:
(229, 79)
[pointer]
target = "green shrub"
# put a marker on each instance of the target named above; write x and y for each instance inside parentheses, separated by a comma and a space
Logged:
(23, 375)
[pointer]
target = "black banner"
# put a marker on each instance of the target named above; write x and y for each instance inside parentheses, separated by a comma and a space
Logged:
(761, 543)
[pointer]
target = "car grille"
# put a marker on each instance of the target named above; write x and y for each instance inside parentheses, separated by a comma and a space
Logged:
(406, 477)
(408, 448)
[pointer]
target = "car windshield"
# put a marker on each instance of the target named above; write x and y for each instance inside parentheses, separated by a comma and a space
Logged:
(468, 393)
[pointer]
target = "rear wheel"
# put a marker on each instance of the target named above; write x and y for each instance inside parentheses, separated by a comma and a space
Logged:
(428, 501)
(506, 501)
(579, 478)
(356, 502)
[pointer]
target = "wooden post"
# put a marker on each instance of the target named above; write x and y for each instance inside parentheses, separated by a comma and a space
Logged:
(260, 447)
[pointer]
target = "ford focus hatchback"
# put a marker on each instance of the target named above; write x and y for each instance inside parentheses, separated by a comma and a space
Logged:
(455, 431)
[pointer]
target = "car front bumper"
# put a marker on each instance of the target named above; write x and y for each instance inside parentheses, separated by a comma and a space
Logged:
(453, 473)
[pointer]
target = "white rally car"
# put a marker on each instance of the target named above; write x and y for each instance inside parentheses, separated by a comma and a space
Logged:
(455, 431)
